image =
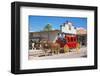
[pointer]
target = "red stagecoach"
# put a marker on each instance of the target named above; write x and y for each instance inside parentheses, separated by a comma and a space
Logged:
(68, 42)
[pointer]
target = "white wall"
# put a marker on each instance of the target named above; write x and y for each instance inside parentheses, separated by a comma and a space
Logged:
(5, 32)
(66, 29)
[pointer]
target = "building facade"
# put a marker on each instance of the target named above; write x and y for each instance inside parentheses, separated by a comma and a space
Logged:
(68, 28)
(82, 36)
(44, 35)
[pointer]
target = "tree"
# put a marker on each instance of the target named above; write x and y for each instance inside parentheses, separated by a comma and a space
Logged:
(48, 28)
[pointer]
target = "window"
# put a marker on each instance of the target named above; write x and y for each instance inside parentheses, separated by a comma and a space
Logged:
(68, 39)
(74, 39)
(71, 39)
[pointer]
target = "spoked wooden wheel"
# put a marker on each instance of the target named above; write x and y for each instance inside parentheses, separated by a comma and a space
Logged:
(78, 48)
(66, 49)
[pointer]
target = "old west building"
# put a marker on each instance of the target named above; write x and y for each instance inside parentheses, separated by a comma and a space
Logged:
(43, 35)
(68, 28)
(82, 36)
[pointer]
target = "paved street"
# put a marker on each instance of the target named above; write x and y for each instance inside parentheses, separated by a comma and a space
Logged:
(72, 54)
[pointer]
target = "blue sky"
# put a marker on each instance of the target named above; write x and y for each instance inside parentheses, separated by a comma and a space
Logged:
(37, 23)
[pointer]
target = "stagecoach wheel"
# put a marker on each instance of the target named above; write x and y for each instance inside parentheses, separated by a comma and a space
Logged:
(66, 49)
(78, 48)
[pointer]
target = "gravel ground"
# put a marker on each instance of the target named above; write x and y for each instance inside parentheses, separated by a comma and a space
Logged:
(72, 54)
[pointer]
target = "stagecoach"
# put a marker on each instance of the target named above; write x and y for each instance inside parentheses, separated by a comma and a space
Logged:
(68, 41)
